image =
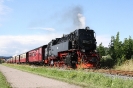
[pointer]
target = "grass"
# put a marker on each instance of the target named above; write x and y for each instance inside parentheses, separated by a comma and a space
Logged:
(126, 66)
(79, 77)
(3, 82)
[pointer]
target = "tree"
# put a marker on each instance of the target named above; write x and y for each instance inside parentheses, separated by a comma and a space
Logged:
(101, 49)
(128, 47)
(115, 49)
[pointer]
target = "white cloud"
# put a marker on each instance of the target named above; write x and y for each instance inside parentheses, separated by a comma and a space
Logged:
(48, 29)
(104, 39)
(13, 45)
(4, 10)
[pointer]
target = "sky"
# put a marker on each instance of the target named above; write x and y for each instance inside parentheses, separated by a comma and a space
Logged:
(28, 24)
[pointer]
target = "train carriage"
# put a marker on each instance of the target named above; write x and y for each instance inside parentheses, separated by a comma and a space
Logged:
(17, 59)
(23, 57)
(10, 60)
(37, 55)
(14, 59)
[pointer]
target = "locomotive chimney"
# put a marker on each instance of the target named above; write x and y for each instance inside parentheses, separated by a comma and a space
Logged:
(87, 28)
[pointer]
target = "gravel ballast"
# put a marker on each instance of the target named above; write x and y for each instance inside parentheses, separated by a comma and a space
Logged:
(20, 79)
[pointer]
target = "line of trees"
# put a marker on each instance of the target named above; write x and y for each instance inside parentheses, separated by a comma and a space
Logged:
(117, 52)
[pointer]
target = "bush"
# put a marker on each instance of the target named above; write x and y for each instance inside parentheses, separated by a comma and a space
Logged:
(106, 62)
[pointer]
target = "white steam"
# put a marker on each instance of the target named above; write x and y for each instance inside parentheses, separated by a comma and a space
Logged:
(81, 21)
(78, 18)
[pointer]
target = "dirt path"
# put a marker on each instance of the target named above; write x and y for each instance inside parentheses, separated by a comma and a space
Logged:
(20, 79)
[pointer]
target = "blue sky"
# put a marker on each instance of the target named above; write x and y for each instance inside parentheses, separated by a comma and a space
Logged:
(27, 24)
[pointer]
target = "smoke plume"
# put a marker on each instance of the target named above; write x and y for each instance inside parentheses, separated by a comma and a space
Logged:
(81, 20)
(78, 18)
(74, 18)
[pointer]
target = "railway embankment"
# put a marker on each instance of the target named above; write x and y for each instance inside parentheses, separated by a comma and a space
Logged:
(79, 77)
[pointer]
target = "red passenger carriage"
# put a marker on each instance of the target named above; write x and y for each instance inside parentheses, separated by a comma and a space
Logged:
(10, 61)
(23, 57)
(17, 59)
(14, 59)
(37, 55)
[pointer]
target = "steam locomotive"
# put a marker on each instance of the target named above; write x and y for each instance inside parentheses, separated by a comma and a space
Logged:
(74, 50)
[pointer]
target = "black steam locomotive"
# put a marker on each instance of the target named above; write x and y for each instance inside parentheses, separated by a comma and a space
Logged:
(76, 49)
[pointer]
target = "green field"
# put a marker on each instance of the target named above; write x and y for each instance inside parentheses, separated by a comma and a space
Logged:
(3, 82)
(78, 77)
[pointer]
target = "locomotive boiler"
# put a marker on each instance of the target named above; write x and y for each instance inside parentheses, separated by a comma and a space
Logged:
(76, 50)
